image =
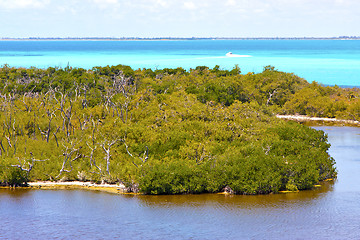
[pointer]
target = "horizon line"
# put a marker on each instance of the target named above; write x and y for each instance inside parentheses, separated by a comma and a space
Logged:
(174, 38)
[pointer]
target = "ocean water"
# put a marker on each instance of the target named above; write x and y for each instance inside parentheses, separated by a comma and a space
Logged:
(328, 62)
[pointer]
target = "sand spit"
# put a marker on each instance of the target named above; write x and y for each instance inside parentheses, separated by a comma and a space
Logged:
(333, 121)
(113, 188)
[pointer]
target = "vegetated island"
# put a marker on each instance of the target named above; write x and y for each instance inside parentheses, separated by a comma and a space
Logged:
(168, 131)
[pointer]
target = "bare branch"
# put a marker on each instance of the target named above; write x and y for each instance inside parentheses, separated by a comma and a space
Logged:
(69, 151)
(22, 166)
(143, 159)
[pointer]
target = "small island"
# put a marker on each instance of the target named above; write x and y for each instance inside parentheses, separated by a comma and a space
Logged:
(167, 131)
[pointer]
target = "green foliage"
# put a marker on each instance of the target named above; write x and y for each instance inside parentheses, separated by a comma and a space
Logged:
(171, 131)
(12, 176)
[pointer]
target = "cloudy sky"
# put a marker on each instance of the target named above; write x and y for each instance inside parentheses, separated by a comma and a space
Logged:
(179, 18)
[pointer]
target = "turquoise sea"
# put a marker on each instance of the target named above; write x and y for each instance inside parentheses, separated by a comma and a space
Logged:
(329, 62)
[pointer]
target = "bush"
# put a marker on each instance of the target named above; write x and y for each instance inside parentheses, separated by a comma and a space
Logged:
(13, 177)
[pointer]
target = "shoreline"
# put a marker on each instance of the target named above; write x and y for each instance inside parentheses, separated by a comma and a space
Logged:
(111, 188)
(117, 188)
(319, 120)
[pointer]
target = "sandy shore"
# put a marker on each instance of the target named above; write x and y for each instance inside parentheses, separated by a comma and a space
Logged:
(113, 188)
(302, 118)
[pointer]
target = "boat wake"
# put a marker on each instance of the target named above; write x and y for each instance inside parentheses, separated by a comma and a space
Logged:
(230, 54)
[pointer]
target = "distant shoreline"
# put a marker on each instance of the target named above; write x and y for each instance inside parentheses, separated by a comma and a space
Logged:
(176, 39)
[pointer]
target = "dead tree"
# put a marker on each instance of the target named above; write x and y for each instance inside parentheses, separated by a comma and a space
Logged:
(85, 101)
(66, 113)
(143, 159)
(10, 133)
(70, 155)
(106, 145)
(92, 159)
(271, 94)
(56, 139)
(2, 149)
(50, 115)
(200, 155)
(120, 85)
(50, 110)
(93, 147)
(31, 162)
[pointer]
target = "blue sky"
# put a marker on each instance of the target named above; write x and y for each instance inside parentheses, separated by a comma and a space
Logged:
(179, 18)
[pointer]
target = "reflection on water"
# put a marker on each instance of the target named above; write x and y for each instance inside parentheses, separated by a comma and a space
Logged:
(82, 214)
(329, 212)
(223, 202)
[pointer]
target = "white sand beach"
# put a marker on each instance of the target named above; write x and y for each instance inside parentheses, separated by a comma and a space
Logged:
(113, 188)
(302, 118)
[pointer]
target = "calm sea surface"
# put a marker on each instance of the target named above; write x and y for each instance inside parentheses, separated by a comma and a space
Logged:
(326, 61)
(330, 212)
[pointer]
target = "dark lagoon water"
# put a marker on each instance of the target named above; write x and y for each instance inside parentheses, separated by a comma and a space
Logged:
(329, 212)
(326, 61)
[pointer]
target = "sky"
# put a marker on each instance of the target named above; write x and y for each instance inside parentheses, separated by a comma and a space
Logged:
(179, 18)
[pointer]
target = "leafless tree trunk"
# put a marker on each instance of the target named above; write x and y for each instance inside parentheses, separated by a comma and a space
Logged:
(9, 127)
(107, 153)
(120, 85)
(93, 147)
(66, 114)
(143, 159)
(56, 139)
(270, 97)
(70, 154)
(199, 157)
(2, 148)
(92, 159)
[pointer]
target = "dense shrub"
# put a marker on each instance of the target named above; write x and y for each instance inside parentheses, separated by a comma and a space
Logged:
(171, 131)
(14, 177)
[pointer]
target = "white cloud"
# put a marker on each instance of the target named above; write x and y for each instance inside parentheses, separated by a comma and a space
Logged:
(230, 3)
(346, 2)
(180, 17)
(20, 4)
(105, 3)
(190, 5)
(162, 3)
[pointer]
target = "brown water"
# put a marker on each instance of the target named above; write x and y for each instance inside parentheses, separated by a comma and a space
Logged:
(329, 212)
